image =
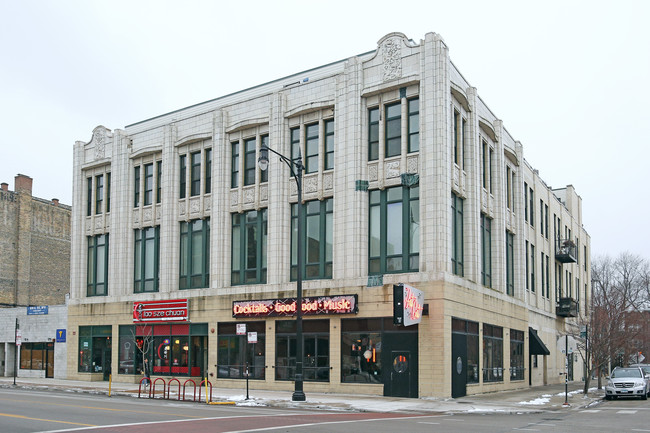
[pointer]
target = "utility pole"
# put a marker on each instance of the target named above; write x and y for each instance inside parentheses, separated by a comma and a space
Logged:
(17, 341)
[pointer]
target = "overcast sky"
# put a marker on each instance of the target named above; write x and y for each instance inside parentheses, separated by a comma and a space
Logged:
(569, 79)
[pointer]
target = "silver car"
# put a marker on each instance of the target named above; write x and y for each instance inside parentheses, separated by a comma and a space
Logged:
(627, 382)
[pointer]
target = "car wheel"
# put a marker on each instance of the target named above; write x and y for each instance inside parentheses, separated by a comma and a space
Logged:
(644, 397)
(608, 397)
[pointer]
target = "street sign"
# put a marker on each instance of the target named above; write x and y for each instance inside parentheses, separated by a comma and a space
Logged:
(19, 337)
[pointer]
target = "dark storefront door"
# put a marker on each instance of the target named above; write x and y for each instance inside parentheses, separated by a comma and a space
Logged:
(49, 359)
(458, 365)
(399, 356)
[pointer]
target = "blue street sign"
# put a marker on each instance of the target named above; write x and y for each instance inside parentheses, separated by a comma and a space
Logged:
(60, 335)
(37, 310)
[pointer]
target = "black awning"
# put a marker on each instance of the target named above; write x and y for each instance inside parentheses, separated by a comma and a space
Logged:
(537, 346)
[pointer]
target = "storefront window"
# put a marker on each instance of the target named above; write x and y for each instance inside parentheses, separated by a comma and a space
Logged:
(235, 352)
(34, 356)
(361, 357)
(470, 330)
(316, 365)
(516, 355)
(177, 350)
(492, 353)
(94, 349)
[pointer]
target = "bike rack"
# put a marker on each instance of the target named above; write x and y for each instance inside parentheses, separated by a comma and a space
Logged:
(152, 391)
(201, 386)
(169, 387)
(140, 386)
(194, 393)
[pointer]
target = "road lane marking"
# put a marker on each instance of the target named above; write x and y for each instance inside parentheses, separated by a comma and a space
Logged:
(628, 412)
(591, 411)
(9, 415)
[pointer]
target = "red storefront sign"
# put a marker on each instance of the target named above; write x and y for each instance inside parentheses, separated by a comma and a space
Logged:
(343, 304)
(174, 310)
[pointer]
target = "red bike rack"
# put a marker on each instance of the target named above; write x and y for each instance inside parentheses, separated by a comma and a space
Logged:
(169, 387)
(194, 392)
(201, 386)
(152, 392)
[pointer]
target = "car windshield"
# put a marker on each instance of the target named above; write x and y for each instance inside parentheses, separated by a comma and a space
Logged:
(626, 372)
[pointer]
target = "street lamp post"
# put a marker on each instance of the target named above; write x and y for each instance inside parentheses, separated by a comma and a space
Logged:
(296, 167)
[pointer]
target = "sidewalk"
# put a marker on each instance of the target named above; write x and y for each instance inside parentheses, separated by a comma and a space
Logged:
(535, 399)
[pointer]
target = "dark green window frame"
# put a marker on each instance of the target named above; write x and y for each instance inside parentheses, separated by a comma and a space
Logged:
(235, 354)
(393, 129)
(394, 247)
(207, 188)
(234, 177)
(329, 144)
(373, 134)
(311, 147)
(195, 254)
(99, 194)
(249, 244)
(413, 125)
(486, 250)
(294, 139)
(195, 174)
(97, 271)
(510, 265)
(136, 186)
(317, 239)
(457, 235)
(108, 192)
(250, 162)
(532, 267)
(517, 369)
(316, 347)
(94, 342)
(148, 184)
(158, 180)
(183, 176)
(89, 202)
(146, 260)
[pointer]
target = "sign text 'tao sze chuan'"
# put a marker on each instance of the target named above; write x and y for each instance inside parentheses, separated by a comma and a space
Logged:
(173, 310)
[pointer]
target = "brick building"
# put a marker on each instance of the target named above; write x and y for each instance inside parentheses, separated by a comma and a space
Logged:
(179, 238)
(34, 279)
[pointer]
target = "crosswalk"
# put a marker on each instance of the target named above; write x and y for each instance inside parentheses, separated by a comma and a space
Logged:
(621, 411)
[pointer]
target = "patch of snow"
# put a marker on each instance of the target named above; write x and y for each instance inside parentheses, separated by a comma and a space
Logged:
(536, 402)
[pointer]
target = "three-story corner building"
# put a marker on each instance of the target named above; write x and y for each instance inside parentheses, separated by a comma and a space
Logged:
(185, 252)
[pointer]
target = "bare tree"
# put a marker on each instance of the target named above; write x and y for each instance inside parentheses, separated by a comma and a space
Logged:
(619, 294)
(143, 341)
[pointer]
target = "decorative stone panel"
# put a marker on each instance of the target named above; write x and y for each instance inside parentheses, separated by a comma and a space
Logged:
(372, 172)
(147, 216)
(392, 169)
(136, 216)
(412, 165)
(310, 184)
(249, 195)
(195, 205)
(264, 192)
(181, 208)
(328, 181)
(234, 198)
(391, 53)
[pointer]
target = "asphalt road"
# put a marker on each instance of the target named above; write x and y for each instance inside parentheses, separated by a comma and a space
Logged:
(29, 411)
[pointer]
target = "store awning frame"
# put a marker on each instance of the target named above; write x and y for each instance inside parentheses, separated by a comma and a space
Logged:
(537, 346)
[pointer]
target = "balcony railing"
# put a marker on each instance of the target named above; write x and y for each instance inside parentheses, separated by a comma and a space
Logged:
(567, 307)
(566, 251)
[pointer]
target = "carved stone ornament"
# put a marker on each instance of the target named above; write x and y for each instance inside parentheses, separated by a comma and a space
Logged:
(147, 215)
(249, 195)
(234, 198)
(99, 223)
(136, 216)
(412, 164)
(99, 137)
(328, 181)
(392, 57)
(264, 193)
(392, 169)
(310, 184)
(89, 225)
(207, 204)
(181, 208)
(372, 172)
(195, 206)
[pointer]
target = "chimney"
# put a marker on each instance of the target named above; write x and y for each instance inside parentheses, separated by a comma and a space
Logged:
(23, 184)
(5, 186)
(55, 201)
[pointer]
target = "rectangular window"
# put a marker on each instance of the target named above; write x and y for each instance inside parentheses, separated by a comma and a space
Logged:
(329, 144)
(541, 217)
(394, 238)
(108, 192)
(545, 220)
(531, 197)
(249, 237)
(486, 242)
(148, 184)
(373, 134)
(516, 355)
(208, 171)
(264, 174)
(250, 161)
(89, 201)
(470, 330)
(548, 279)
(99, 194)
(294, 137)
(195, 254)
(457, 236)
(413, 125)
(317, 239)
(527, 268)
(457, 122)
(136, 186)
(158, 181)
(532, 268)
(235, 354)
(393, 129)
(541, 273)
(311, 148)
(509, 189)
(492, 353)
(485, 180)
(37, 356)
(146, 260)
(195, 173)
(94, 342)
(315, 343)
(183, 176)
(510, 265)
(234, 177)
(97, 272)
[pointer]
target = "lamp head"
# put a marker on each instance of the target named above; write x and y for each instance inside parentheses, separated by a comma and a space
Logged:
(263, 159)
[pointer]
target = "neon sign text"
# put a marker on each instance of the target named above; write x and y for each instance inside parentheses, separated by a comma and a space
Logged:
(343, 304)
